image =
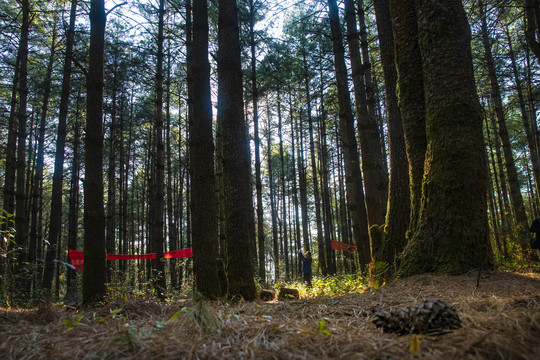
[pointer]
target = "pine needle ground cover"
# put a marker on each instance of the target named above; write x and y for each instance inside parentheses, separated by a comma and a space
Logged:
(500, 319)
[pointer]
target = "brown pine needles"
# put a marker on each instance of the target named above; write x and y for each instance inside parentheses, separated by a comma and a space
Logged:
(500, 320)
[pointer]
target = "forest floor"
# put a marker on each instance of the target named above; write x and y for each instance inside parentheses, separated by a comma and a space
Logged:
(500, 320)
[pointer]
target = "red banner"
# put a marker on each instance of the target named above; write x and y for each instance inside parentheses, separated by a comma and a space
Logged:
(178, 253)
(130, 257)
(77, 256)
(342, 246)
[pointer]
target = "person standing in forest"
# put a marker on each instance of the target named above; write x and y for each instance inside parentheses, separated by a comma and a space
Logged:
(306, 266)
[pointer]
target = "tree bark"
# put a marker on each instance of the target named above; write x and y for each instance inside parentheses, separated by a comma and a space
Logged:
(411, 101)
(275, 247)
(38, 174)
(74, 200)
(353, 175)
(201, 146)
(399, 203)
(533, 149)
(236, 177)
(157, 203)
(532, 32)
(284, 217)
(373, 169)
(452, 232)
(511, 171)
(21, 218)
(257, 141)
(94, 273)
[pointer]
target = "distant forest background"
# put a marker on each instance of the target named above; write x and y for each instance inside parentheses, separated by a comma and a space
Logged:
(299, 166)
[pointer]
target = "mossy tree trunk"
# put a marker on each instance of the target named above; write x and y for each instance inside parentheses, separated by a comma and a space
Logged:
(452, 232)
(410, 96)
(398, 210)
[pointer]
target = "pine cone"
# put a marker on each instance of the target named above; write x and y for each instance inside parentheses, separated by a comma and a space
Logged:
(432, 317)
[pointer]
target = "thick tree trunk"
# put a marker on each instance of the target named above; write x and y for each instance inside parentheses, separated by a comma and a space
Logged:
(94, 273)
(236, 177)
(201, 146)
(452, 232)
(353, 175)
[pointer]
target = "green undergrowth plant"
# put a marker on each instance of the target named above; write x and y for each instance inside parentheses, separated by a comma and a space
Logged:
(329, 285)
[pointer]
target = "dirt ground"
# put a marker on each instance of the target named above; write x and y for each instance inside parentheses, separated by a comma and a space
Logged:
(500, 320)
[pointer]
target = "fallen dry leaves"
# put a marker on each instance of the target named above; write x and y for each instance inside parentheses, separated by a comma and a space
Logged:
(500, 318)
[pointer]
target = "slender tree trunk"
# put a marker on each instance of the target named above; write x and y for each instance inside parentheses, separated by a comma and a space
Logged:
(452, 232)
(511, 171)
(21, 218)
(411, 103)
(532, 33)
(258, 183)
(315, 176)
(157, 204)
(95, 268)
(353, 175)
(236, 177)
(399, 203)
(171, 219)
(367, 75)
(499, 204)
(201, 145)
(302, 166)
(110, 216)
(533, 149)
(74, 201)
(373, 169)
(38, 174)
(272, 199)
(55, 222)
(326, 201)
(11, 149)
(295, 165)
(284, 218)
